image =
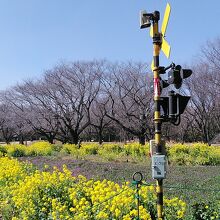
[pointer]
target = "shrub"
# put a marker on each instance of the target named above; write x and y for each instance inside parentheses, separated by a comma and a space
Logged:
(136, 150)
(57, 147)
(89, 149)
(194, 154)
(69, 149)
(3, 150)
(41, 148)
(11, 172)
(114, 148)
(181, 154)
(16, 150)
(110, 151)
(206, 211)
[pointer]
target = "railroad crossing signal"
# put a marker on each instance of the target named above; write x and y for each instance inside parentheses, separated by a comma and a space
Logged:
(173, 105)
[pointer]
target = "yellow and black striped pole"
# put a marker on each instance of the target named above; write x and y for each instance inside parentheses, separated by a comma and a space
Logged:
(157, 119)
(159, 43)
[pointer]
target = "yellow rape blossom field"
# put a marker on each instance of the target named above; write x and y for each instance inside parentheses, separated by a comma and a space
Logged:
(40, 192)
(179, 154)
(27, 193)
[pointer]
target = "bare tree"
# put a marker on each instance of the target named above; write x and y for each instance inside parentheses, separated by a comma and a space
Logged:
(130, 101)
(13, 127)
(203, 101)
(99, 119)
(62, 99)
(72, 89)
(99, 97)
(7, 128)
(24, 100)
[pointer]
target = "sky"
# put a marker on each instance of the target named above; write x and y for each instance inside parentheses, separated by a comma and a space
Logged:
(36, 35)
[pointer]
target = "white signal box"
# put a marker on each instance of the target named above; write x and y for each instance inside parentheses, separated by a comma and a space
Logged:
(158, 166)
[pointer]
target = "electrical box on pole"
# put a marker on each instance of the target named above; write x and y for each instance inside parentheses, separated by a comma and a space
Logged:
(159, 166)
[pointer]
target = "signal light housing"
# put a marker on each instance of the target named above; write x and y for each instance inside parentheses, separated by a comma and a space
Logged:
(177, 74)
(173, 106)
(163, 84)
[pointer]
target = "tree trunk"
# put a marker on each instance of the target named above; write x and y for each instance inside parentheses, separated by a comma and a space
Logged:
(50, 139)
(142, 139)
(21, 140)
(7, 141)
(74, 137)
(205, 135)
(100, 136)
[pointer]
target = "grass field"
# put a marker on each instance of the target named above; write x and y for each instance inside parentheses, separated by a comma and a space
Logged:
(191, 178)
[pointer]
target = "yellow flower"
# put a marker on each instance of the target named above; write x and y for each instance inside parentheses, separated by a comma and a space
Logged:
(180, 214)
(43, 209)
(117, 213)
(62, 196)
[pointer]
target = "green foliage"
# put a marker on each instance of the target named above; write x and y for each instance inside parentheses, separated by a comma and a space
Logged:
(180, 154)
(110, 151)
(57, 147)
(206, 211)
(36, 149)
(194, 154)
(136, 150)
(41, 148)
(16, 150)
(69, 149)
(89, 149)
(3, 150)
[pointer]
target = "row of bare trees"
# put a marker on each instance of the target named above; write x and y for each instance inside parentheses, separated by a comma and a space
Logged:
(75, 99)
(107, 101)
